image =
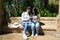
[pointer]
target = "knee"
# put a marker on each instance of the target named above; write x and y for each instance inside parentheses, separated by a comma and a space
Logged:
(37, 25)
(32, 24)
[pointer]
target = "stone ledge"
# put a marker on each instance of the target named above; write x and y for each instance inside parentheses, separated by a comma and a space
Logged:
(58, 24)
(41, 18)
(47, 22)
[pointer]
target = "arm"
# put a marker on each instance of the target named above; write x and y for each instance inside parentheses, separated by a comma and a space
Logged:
(38, 17)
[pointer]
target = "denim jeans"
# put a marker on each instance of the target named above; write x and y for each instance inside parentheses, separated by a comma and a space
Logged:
(35, 25)
(26, 25)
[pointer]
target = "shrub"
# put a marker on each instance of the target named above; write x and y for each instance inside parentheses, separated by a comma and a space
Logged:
(16, 8)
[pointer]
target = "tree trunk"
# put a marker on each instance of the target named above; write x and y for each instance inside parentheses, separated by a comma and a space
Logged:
(0, 15)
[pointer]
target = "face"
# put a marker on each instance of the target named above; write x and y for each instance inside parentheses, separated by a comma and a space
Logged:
(33, 11)
(28, 10)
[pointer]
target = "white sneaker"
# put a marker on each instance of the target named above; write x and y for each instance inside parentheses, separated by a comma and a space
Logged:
(36, 34)
(25, 37)
(32, 35)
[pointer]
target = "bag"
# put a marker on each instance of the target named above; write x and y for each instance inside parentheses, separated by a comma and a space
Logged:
(15, 25)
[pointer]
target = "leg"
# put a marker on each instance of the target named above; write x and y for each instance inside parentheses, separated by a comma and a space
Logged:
(33, 28)
(37, 28)
(25, 29)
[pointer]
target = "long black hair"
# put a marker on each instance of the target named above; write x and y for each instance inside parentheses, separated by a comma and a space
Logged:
(35, 11)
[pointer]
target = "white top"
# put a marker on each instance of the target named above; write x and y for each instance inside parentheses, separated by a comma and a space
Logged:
(25, 16)
(34, 17)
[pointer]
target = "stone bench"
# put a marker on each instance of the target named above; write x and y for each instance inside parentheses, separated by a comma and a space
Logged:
(46, 23)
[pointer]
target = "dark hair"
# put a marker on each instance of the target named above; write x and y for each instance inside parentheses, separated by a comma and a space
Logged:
(35, 10)
(28, 7)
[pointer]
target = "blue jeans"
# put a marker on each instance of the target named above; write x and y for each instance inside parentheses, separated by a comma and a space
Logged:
(26, 25)
(35, 25)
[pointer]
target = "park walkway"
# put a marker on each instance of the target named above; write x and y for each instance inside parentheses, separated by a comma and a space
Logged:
(18, 36)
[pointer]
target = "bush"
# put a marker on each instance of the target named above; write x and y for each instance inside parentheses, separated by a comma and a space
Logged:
(16, 8)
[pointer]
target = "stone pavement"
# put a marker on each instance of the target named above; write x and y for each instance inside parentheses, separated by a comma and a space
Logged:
(18, 36)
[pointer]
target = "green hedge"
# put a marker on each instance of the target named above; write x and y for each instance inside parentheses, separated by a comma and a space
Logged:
(45, 8)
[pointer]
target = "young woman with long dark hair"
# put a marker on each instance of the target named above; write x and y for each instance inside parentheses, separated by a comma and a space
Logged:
(26, 21)
(35, 23)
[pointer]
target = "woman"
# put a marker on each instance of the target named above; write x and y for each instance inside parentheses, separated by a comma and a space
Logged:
(35, 23)
(26, 21)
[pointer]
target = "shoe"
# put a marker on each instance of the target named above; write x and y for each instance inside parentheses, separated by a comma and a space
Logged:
(25, 37)
(36, 34)
(32, 35)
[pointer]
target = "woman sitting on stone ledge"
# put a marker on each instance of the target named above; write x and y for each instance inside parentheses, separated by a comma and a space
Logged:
(26, 22)
(35, 22)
